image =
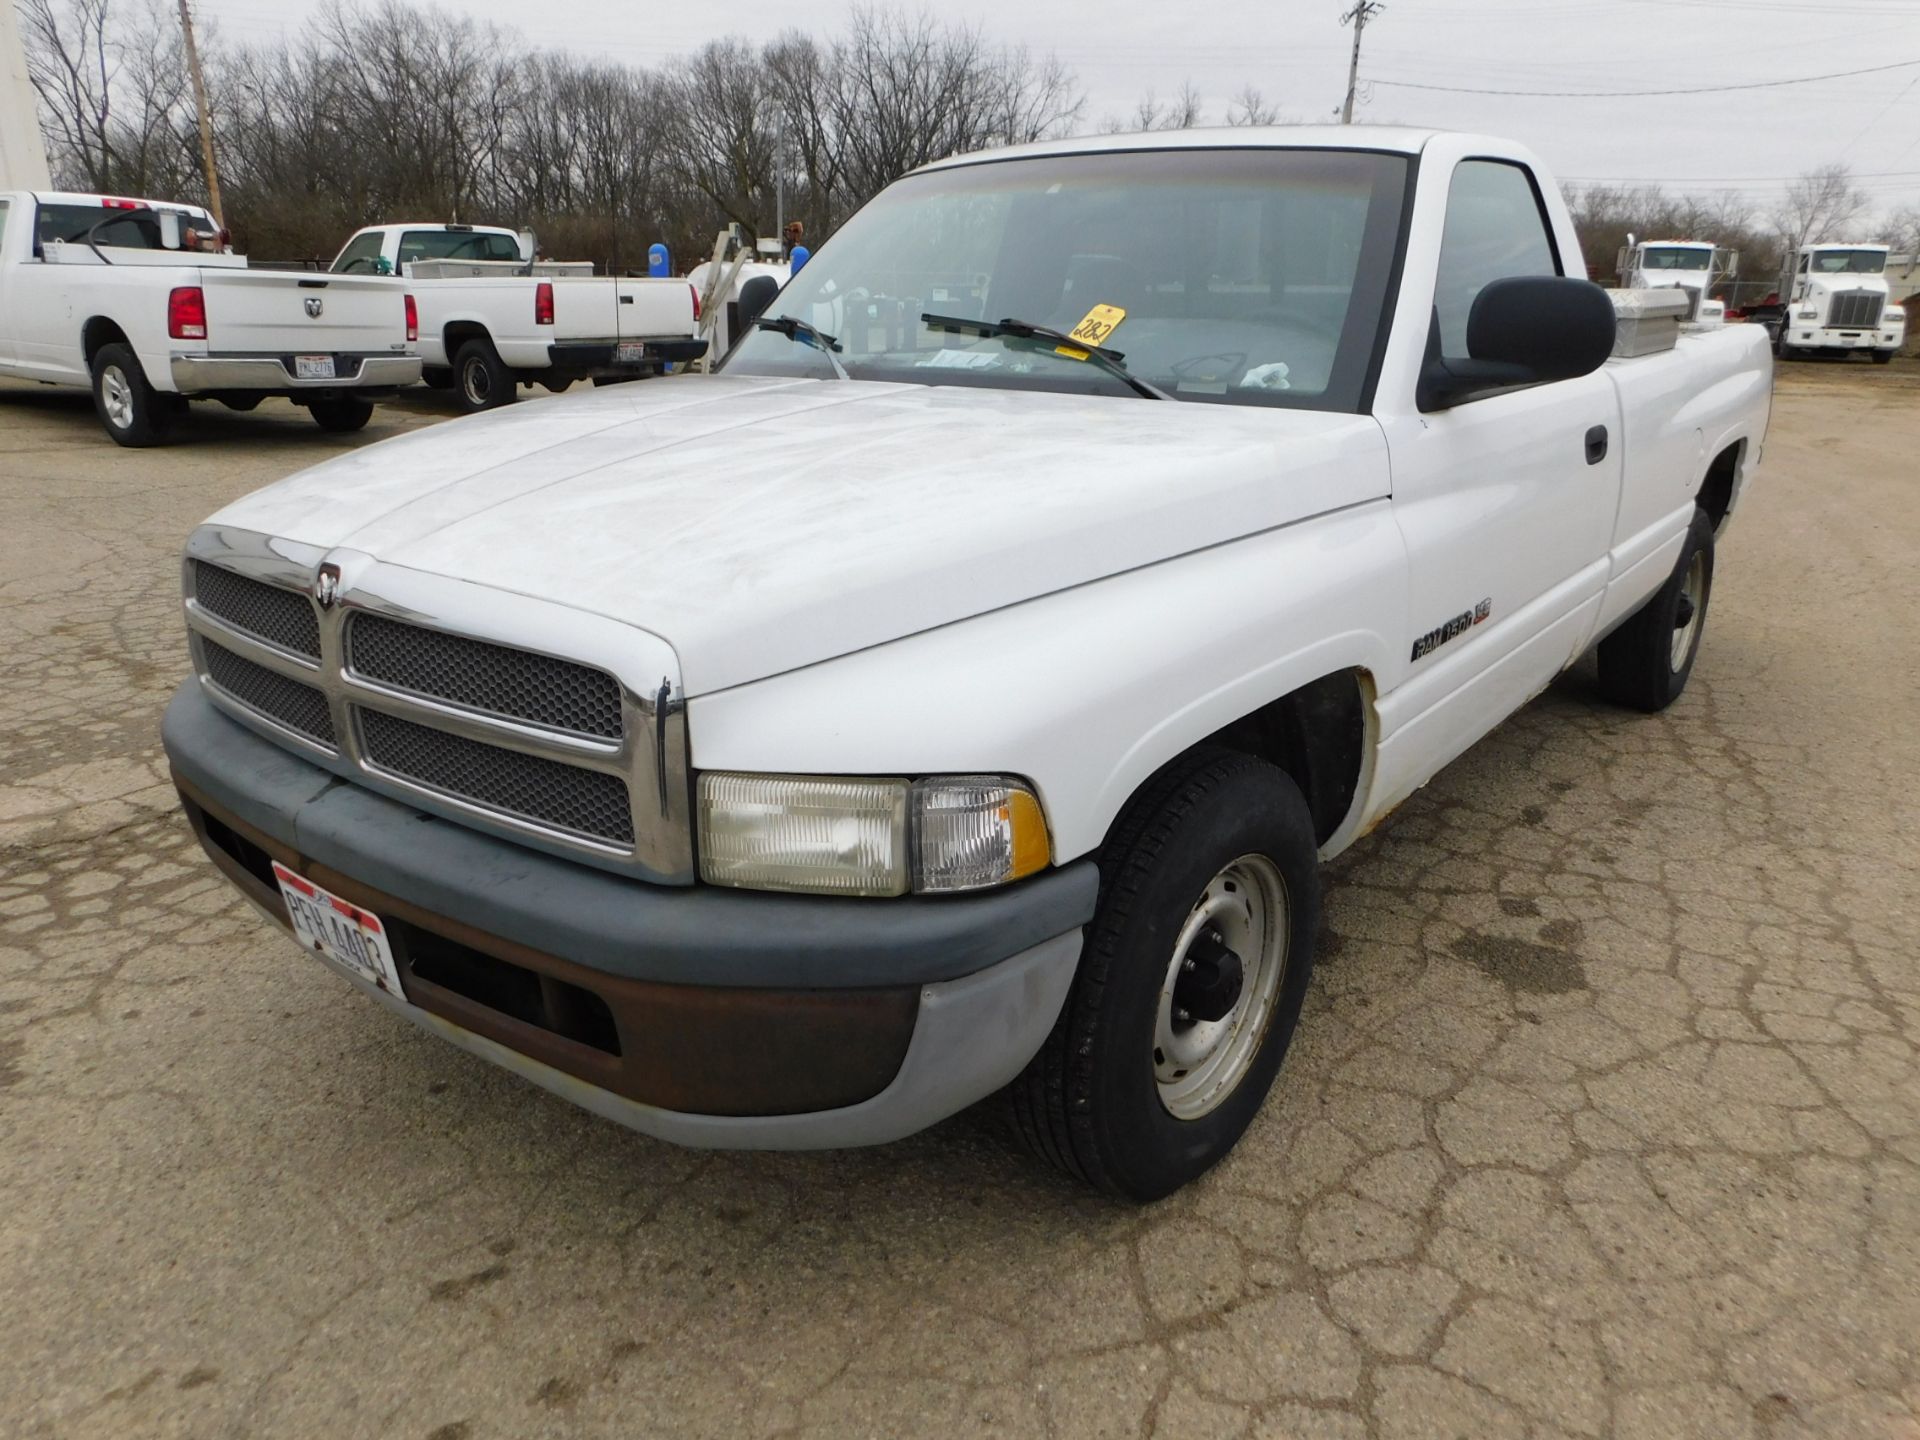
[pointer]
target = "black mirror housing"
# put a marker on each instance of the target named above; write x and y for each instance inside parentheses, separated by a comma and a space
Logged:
(1523, 330)
(755, 296)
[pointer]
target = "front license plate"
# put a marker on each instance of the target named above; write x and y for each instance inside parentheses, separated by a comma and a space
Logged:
(313, 367)
(629, 354)
(352, 938)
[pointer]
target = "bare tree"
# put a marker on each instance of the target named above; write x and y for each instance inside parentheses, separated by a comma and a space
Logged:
(1819, 205)
(1250, 107)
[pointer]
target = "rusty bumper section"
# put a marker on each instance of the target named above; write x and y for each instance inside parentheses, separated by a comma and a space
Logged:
(703, 1049)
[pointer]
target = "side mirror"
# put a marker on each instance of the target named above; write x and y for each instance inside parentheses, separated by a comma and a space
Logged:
(1524, 330)
(755, 296)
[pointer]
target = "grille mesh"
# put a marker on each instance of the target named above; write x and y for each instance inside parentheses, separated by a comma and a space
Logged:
(284, 617)
(1855, 310)
(488, 677)
(588, 802)
(297, 706)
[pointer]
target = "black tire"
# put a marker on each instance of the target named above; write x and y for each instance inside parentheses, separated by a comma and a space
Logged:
(1638, 668)
(437, 377)
(603, 380)
(133, 412)
(558, 387)
(342, 416)
(1883, 357)
(482, 380)
(1091, 1102)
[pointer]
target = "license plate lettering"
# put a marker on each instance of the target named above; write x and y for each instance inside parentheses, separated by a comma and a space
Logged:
(629, 354)
(352, 938)
(313, 367)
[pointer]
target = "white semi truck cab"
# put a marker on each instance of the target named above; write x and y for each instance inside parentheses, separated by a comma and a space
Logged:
(1836, 297)
(1692, 265)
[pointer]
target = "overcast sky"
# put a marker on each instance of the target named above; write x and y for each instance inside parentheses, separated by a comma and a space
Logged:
(1296, 52)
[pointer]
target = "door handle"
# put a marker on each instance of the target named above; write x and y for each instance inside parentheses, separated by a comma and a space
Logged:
(1596, 444)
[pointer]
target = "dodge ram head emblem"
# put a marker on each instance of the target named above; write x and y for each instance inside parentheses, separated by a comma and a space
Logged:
(326, 585)
(314, 307)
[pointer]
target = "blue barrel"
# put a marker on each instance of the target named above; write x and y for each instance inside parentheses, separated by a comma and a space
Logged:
(799, 257)
(659, 262)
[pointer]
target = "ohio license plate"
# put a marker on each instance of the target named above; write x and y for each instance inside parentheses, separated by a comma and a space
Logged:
(354, 939)
(313, 367)
(629, 354)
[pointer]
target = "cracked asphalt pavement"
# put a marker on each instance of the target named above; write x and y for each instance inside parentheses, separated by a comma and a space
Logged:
(1603, 1119)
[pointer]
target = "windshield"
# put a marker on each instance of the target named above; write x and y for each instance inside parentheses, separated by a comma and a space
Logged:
(1676, 257)
(126, 227)
(1225, 276)
(1849, 262)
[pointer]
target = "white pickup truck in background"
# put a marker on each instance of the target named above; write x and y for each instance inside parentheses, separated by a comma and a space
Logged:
(959, 690)
(492, 317)
(137, 299)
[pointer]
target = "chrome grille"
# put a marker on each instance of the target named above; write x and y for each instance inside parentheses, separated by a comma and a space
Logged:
(586, 802)
(392, 687)
(485, 676)
(280, 617)
(296, 706)
(1855, 310)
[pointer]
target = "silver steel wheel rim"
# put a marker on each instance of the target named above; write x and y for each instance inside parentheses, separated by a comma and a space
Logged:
(117, 395)
(479, 383)
(1693, 591)
(1197, 1064)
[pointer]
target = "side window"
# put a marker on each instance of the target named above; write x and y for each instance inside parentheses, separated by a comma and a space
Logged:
(1495, 229)
(5, 205)
(361, 252)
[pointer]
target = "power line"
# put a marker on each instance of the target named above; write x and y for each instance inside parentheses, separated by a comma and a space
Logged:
(1636, 94)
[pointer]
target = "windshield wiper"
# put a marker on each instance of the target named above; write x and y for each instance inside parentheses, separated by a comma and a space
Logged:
(795, 328)
(1111, 361)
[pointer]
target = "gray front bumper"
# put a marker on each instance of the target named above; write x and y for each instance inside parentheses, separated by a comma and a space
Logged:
(195, 373)
(992, 971)
(972, 1036)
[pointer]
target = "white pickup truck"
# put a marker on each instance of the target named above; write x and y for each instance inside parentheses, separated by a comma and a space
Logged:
(493, 318)
(932, 704)
(138, 299)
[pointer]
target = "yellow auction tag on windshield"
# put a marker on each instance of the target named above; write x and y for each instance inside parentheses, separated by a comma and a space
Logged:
(1099, 322)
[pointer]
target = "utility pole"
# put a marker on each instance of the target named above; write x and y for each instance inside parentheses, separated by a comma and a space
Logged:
(206, 120)
(1362, 11)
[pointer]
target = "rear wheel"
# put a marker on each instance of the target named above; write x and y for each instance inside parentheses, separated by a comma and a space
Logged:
(1646, 662)
(134, 413)
(482, 380)
(342, 416)
(1190, 982)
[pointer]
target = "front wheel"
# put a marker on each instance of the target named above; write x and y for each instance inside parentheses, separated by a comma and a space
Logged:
(1644, 664)
(1883, 357)
(342, 416)
(482, 380)
(133, 412)
(1190, 983)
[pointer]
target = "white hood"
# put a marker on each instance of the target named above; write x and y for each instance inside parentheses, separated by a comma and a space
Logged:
(759, 525)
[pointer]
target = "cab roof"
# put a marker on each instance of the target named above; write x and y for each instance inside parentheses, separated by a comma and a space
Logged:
(1395, 139)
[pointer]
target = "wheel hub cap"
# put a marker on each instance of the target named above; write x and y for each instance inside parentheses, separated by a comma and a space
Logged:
(1686, 614)
(1220, 988)
(118, 396)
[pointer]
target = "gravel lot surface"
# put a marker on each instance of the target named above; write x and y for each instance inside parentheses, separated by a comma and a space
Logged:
(1604, 1118)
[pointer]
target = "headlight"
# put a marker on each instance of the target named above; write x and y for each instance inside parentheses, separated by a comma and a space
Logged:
(1809, 314)
(834, 836)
